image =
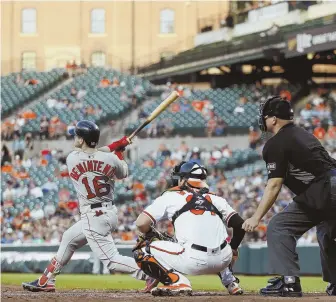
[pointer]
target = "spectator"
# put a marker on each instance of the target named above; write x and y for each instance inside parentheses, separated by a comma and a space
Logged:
(211, 126)
(163, 151)
(49, 209)
(32, 82)
(29, 146)
(104, 82)
(52, 102)
(35, 191)
(44, 128)
(73, 92)
(142, 114)
(19, 80)
(220, 127)
(69, 68)
(115, 82)
(185, 106)
(83, 67)
(22, 174)
(18, 146)
(18, 123)
(74, 68)
(21, 190)
(306, 113)
(239, 109)
(151, 129)
(50, 185)
(98, 111)
(7, 130)
(81, 93)
(226, 151)
(5, 155)
(124, 97)
(78, 105)
(319, 132)
(37, 213)
(9, 193)
(254, 138)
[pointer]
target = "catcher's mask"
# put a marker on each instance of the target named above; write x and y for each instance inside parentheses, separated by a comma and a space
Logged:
(194, 174)
(274, 106)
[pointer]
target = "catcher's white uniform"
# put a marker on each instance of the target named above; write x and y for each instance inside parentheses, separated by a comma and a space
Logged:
(193, 228)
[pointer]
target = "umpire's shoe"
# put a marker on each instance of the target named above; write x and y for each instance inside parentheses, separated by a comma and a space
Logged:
(331, 289)
(283, 287)
(35, 286)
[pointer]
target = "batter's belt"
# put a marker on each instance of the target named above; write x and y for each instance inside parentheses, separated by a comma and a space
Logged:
(100, 205)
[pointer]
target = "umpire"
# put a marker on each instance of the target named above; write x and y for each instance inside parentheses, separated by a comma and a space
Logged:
(295, 158)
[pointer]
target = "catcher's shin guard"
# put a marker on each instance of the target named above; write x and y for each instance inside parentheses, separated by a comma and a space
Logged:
(53, 269)
(154, 269)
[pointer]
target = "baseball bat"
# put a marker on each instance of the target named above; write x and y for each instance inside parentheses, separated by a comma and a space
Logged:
(158, 110)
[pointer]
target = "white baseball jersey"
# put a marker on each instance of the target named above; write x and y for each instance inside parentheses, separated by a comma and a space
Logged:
(195, 226)
(93, 175)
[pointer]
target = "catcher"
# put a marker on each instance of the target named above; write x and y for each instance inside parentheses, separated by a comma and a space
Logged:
(200, 219)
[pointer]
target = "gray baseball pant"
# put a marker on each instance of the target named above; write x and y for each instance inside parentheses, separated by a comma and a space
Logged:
(286, 227)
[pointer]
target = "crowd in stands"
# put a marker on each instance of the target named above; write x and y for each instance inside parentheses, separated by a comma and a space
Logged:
(215, 125)
(319, 116)
(44, 222)
(54, 127)
(73, 69)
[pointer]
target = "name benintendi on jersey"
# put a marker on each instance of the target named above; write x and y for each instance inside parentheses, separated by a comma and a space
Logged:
(92, 166)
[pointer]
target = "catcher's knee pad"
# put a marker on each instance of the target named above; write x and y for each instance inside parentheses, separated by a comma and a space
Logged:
(154, 269)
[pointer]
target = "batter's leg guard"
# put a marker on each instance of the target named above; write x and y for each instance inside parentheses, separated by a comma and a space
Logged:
(53, 269)
(151, 267)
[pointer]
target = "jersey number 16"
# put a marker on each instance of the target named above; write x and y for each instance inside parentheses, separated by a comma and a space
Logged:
(101, 188)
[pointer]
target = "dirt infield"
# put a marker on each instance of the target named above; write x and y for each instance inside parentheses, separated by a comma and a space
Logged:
(16, 293)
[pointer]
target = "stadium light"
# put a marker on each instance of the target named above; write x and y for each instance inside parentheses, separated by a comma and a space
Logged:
(310, 56)
(247, 69)
(277, 69)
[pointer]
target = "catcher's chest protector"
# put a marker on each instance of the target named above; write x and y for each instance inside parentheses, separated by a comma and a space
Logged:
(197, 204)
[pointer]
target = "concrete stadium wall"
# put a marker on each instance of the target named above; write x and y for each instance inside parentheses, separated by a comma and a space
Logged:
(141, 147)
(253, 259)
(132, 30)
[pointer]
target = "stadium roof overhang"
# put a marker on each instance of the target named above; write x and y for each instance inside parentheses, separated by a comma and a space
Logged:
(289, 42)
(226, 59)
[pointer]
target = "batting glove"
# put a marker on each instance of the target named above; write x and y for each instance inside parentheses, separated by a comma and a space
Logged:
(120, 144)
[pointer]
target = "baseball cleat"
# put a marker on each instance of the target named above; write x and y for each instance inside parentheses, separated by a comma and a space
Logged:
(234, 289)
(150, 284)
(34, 286)
(172, 290)
(331, 289)
(283, 287)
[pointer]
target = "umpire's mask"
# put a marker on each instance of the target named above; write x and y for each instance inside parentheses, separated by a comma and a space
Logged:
(274, 106)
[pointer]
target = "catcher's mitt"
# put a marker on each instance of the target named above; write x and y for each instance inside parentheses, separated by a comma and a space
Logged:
(153, 235)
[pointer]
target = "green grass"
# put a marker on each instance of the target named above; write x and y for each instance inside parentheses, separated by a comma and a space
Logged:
(123, 282)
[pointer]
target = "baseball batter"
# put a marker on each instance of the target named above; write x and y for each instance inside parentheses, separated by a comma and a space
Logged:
(92, 172)
(200, 219)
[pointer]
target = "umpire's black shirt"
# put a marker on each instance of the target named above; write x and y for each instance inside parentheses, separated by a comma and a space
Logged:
(299, 158)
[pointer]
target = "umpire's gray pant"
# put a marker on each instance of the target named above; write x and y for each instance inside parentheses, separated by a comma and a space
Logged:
(287, 227)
